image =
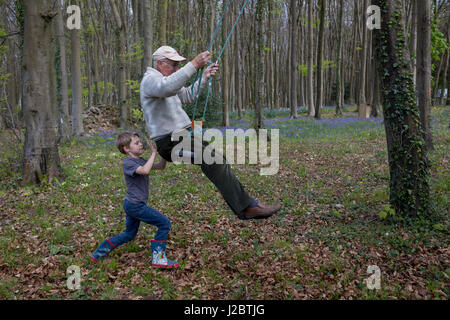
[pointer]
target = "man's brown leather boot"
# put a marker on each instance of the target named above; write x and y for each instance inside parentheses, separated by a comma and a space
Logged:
(261, 211)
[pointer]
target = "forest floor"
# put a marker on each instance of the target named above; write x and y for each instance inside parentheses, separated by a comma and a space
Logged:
(333, 183)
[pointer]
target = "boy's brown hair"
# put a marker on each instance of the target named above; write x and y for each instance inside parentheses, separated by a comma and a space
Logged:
(124, 140)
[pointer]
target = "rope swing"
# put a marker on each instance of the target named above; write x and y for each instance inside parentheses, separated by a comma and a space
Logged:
(199, 74)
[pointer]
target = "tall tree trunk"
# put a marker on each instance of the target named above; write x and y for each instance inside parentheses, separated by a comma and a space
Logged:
(237, 73)
(375, 88)
(77, 98)
(171, 20)
(187, 30)
(97, 75)
(319, 95)
(413, 44)
(369, 69)
(360, 44)
(342, 78)
(269, 71)
(212, 23)
(354, 59)
(121, 51)
(87, 63)
(408, 162)
(259, 68)
(99, 51)
(136, 10)
(293, 59)
(41, 156)
(11, 99)
(362, 100)
(437, 80)
(148, 35)
(310, 49)
(447, 102)
(140, 21)
(162, 14)
(338, 62)
(424, 69)
(444, 80)
(10, 88)
(64, 122)
(226, 72)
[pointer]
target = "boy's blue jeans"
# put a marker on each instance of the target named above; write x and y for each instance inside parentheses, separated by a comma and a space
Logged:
(135, 214)
(141, 212)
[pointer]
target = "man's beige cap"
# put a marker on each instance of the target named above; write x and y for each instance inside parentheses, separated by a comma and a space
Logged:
(169, 53)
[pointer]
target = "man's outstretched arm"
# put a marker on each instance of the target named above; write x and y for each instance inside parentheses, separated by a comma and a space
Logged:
(187, 95)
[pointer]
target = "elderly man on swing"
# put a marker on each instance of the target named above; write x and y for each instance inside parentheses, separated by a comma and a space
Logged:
(162, 94)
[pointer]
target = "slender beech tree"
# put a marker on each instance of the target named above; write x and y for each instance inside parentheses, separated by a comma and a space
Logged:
(413, 42)
(376, 95)
(162, 21)
(237, 68)
(64, 120)
(375, 92)
(269, 60)
(444, 79)
(363, 64)
(77, 99)
(121, 48)
(339, 84)
(293, 59)
(424, 68)
(319, 94)
(148, 34)
(310, 49)
(226, 71)
(12, 96)
(259, 123)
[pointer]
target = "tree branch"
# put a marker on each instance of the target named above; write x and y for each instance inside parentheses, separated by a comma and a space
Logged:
(10, 34)
(116, 14)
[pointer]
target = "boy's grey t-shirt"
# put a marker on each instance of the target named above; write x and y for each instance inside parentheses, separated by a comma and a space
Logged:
(137, 185)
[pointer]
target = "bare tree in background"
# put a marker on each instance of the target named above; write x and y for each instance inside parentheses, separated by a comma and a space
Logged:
(319, 94)
(424, 68)
(339, 84)
(64, 120)
(148, 34)
(121, 47)
(293, 59)
(310, 78)
(77, 98)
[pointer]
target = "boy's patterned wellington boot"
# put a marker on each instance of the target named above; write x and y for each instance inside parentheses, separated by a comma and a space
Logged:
(159, 255)
(102, 251)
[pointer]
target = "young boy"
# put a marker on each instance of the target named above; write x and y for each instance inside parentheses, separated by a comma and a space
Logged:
(136, 171)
